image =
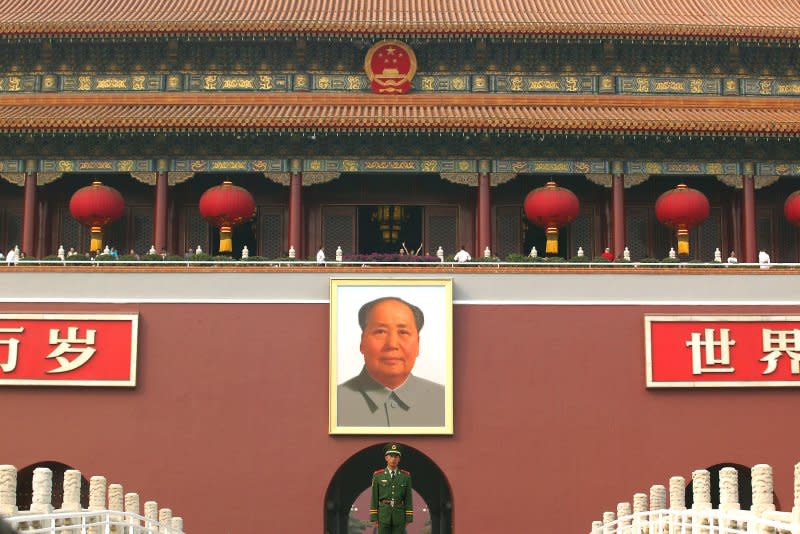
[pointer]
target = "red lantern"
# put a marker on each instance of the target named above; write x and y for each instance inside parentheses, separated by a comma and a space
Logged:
(551, 207)
(682, 208)
(225, 206)
(95, 206)
(791, 208)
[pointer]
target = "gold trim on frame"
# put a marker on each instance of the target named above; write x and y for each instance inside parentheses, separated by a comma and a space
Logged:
(434, 297)
(499, 178)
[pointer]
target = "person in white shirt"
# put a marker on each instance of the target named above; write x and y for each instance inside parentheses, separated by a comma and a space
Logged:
(462, 255)
(11, 257)
(732, 258)
(321, 255)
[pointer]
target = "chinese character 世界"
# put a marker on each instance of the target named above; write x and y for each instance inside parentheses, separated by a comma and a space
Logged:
(65, 346)
(13, 346)
(704, 359)
(775, 343)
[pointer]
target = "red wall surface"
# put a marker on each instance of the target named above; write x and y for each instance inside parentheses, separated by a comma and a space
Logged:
(228, 423)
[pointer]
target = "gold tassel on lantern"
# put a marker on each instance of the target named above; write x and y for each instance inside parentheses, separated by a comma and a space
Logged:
(683, 241)
(552, 240)
(96, 244)
(225, 239)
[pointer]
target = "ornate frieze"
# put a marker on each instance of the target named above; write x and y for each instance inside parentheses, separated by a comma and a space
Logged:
(759, 181)
(12, 165)
(316, 178)
(682, 167)
(221, 82)
(229, 165)
(602, 179)
(44, 178)
(148, 178)
(778, 168)
(390, 165)
(96, 165)
(281, 178)
(105, 83)
(543, 84)
(177, 177)
(16, 178)
(18, 84)
(499, 178)
(461, 178)
(552, 166)
(668, 86)
(631, 180)
(425, 82)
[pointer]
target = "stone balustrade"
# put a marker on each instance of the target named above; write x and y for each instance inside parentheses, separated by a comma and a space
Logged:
(702, 517)
(110, 509)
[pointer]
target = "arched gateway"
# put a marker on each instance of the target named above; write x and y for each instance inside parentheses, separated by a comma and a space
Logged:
(354, 475)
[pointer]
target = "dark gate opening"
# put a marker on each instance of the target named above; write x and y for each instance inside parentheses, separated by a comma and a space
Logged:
(385, 228)
(355, 475)
(25, 485)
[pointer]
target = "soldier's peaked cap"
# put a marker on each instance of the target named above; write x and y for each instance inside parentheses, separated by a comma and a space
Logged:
(392, 448)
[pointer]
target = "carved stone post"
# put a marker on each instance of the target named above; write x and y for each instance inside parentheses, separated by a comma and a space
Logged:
(639, 507)
(42, 491)
(132, 507)
(72, 491)
(623, 518)
(176, 523)
(165, 520)
(761, 477)
(597, 527)
(8, 490)
(97, 501)
(677, 502)
(658, 503)
(728, 492)
(701, 491)
(151, 516)
(608, 518)
(115, 504)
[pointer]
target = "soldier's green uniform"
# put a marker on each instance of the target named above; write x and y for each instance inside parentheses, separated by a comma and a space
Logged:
(391, 504)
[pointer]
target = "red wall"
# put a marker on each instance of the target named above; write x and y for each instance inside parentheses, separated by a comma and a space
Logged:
(229, 421)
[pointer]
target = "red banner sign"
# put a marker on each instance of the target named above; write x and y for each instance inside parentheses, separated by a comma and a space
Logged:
(68, 349)
(722, 351)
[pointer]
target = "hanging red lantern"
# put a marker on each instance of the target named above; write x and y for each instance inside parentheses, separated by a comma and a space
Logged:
(791, 208)
(551, 207)
(225, 206)
(96, 206)
(682, 208)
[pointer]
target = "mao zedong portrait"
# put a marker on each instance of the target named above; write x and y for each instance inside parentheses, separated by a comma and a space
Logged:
(386, 392)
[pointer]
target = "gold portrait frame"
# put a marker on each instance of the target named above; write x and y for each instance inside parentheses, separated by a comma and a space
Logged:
(435, 298)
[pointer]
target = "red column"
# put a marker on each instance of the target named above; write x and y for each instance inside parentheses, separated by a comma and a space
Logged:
(160, 215)
(29, 215)
(749, 218)
(618, 213)
(295, 210)
(484, 214)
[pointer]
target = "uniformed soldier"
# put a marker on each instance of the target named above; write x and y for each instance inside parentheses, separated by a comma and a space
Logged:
(391, 507)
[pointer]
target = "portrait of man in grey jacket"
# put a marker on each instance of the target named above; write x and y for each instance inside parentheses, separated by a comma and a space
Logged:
(386, 393)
